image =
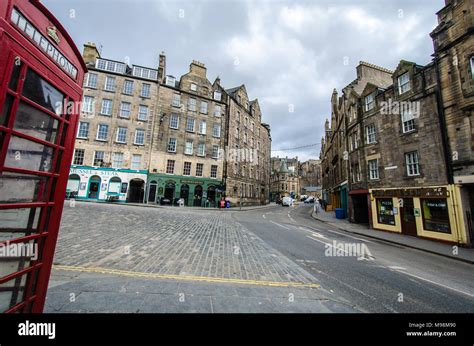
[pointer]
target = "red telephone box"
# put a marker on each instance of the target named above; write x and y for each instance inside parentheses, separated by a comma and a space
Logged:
(41, 75)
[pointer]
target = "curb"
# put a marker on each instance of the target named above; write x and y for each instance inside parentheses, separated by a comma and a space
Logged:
(172, 207)
(395, 242)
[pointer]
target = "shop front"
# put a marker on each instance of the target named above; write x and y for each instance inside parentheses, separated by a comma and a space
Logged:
(167, 189)
(106, 184)
(428, 212)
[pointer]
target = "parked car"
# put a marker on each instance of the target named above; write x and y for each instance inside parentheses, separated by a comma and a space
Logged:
(303, 198)
(310, 199)
(287, 201)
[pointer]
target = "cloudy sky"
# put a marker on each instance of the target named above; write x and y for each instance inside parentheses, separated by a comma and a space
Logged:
(289, 54)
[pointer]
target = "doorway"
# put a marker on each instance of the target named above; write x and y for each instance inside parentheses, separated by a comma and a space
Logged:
(152, 192)
(136, 191)
(94, 187)
(408, 217)
(169, 191)
(211, 195)
(360, 208)
(184, 193)
(197, 196)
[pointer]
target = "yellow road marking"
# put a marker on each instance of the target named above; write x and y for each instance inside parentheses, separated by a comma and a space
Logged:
(184, 277)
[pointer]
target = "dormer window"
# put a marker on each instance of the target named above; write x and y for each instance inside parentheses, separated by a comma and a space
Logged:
(171, 81)
(369, 102)
(217, 95)
(193, 87)
(403, 83)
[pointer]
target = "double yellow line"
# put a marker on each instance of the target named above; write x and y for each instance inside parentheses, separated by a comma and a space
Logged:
(184, 277)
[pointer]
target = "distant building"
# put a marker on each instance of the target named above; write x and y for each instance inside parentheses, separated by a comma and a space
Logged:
(285, 179)
(310, 178)
(248, 147)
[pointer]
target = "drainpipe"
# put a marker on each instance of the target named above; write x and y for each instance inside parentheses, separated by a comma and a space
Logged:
(442, 123)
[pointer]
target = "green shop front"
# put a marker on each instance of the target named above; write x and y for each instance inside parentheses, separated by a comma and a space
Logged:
(197, 192)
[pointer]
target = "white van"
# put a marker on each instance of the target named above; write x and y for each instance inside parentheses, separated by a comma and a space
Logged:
(287, 201)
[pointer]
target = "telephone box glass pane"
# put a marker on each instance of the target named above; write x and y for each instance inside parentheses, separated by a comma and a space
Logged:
(7, 106)
(16, 223)
(17, 256)
(11, 292)
(15, 74)
(41, 92)
(35, 123)
(29, 155)
(22, 188)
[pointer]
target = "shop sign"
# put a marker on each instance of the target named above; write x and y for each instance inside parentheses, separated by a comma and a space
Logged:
(91, 171)
(190, 182)
(419, 192)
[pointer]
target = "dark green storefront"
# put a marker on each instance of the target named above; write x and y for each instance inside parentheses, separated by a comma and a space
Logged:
(198, 192)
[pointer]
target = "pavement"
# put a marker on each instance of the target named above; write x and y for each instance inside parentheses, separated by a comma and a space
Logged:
(117, 258)
(435, 247)
(154, 205)
(86, 292)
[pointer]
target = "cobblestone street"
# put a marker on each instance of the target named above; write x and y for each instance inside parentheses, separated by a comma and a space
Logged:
(116, 258)
(169, 242)
(125, 258)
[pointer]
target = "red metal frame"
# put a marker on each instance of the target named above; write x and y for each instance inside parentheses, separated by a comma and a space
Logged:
(14, 43)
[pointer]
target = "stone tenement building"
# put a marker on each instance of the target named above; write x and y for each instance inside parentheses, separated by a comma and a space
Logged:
(248, 147)
(409, 145)
(114, 135)
(145, 136)
(285, 179)
(310, 178)
(403, 152)
(345, 123)
(186, 158)
(453, 41)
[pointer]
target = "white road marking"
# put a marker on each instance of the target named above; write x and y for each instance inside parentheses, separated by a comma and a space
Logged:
(291, 218)
(434, 283)
(323, 242)
(276, 223)
(264, 216)
(396, 267)
(344, 234)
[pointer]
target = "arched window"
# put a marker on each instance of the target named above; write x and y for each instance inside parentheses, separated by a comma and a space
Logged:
(114, 185)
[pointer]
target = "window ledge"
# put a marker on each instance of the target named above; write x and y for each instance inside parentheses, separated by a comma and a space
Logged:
(409, 132)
